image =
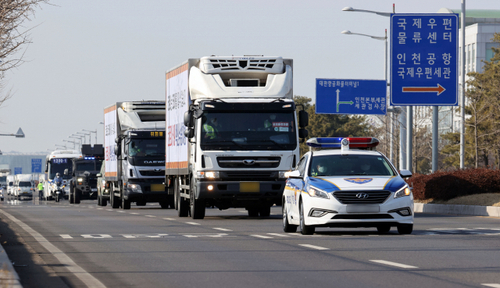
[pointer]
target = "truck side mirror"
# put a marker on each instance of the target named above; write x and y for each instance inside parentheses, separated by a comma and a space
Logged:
(303, 133)
(303, 119)
(188, 119)
(66, 172)
(189, 133)
(118, 150)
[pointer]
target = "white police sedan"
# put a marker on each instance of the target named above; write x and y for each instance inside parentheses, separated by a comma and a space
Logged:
(350, 185)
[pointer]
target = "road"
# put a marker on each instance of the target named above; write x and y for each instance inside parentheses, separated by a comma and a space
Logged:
(63, 245)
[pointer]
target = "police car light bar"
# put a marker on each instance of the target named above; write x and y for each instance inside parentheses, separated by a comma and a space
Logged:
(336, 142)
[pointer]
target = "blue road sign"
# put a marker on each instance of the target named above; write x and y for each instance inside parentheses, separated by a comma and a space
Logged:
(349, 96)
(424, 59)
(36, 165)
(18, 170)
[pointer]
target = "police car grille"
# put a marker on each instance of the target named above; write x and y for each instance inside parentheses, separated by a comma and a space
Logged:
(248, 162)
(352, 197)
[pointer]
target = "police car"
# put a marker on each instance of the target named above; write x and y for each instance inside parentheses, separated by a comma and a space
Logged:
(350, 185)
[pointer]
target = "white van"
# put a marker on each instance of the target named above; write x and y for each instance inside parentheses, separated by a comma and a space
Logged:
(10, 185)
(24, 185)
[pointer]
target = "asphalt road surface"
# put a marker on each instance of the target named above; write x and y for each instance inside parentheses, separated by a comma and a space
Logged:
(62, 245)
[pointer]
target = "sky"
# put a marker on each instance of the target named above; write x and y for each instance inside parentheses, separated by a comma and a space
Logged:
(86, 55)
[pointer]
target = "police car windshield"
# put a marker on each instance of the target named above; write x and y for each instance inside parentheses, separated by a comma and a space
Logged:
(350, 165)
(248, 130)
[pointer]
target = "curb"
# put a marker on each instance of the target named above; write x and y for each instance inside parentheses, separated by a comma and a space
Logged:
(8, 276)
(474, 210)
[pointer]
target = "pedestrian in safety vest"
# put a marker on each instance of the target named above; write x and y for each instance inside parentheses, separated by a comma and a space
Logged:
(40, 190)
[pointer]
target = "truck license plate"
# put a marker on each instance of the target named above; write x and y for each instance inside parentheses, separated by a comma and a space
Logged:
(157, 187)
(249, 187)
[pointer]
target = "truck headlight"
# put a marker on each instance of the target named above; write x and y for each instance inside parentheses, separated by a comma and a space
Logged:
(314, 192)
(405, 191)
(135, 188)
(207, 174)
(79, 180)
(283, 174)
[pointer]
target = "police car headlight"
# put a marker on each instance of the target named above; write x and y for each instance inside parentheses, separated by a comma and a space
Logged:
(314, 192)
(405, 191)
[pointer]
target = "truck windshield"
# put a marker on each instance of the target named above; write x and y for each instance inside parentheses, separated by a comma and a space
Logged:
(86, 166)
(144, 147)
(58, 165)
(24, 184)
(248, 130)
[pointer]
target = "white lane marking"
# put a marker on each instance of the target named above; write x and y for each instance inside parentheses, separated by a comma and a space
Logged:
(169, 219)
(134, 213)
(120, 211)
(314, 247)
(494, 285)
(262, 236)
(96, 236)
(111, 210)
(78, 271)
(66, 236)
(100, 208)
(151, 216)
(210, 235)
(278, 235)
(394, 264)
(133, 236)
(192, 223)
(222, 229)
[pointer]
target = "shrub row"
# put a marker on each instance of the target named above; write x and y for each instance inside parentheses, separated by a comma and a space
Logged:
(446, 185)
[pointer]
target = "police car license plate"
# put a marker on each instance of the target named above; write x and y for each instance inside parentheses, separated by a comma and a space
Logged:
(157, 187)
(249, 187)
(362, 208)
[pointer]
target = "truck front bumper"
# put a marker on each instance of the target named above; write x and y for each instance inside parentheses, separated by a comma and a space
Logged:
(269, 191)
(150, 191)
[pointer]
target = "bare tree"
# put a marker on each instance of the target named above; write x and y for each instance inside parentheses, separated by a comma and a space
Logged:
(13, 35)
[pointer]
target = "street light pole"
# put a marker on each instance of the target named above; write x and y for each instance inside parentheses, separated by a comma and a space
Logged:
(85, 134)
(91, 134)
(70, 142)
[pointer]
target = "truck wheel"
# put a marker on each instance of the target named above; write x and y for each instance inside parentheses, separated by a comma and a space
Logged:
(164, 204)
(57, 197)
(176, 193)
(125, 203)
(77, 196)
(99, 201)
(104, 202)
(71, 196)
(265, 211)
(197, 205)
(113, 199)
(253, 212)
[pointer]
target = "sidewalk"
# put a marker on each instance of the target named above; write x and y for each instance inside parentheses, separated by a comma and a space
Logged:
(8, 276)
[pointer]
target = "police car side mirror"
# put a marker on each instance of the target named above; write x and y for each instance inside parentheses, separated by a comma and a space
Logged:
(405, 173)
(293, 174)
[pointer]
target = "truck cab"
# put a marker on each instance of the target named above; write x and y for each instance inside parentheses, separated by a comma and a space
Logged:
(83, 183)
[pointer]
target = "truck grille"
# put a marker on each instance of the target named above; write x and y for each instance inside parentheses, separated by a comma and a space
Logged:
(358, 197)
(249, 175)
(152, 173)
(248, 162)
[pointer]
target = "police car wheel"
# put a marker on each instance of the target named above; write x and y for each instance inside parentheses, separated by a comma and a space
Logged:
(304, 229)
(287, 227)
(383, 228)
(405, 228)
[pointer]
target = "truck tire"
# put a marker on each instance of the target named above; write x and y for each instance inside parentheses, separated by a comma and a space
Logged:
(104, 202)
(115, 201)
(253, 212)
(164, 204)
(264, 210)
(176, 193)
(77, 196)
(197, 205)
(70, 199)
(125, 203)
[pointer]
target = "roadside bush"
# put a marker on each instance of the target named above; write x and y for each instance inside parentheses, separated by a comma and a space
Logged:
(446, 185)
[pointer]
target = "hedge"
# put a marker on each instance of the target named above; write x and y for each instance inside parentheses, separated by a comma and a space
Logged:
(447, 185)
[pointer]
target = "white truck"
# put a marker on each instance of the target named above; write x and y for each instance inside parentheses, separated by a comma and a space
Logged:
(10, 185)
(232, 133)
(24, 186)
(58, 161)
(134, 152)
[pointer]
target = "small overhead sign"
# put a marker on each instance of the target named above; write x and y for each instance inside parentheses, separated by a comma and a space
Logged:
(424, 59)
(350, 96)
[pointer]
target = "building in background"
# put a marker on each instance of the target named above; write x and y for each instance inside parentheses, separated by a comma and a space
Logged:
(12, 164)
